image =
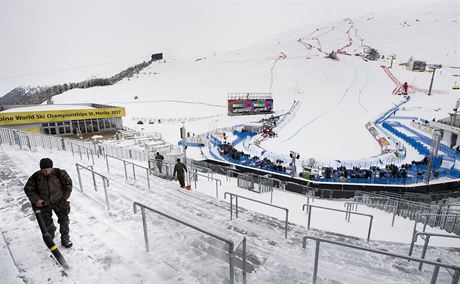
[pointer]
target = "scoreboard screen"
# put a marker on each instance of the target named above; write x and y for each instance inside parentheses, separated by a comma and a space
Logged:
(243, 106)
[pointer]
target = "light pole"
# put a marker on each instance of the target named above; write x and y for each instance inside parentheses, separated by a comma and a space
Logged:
(393, 57)
(434, 152)
(433, 67)
(294, 156)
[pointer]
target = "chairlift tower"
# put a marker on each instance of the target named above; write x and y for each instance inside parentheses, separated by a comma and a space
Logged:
(434, 152)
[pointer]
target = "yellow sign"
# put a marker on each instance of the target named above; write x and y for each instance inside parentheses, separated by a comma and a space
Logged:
(12, 118)
(33, 130)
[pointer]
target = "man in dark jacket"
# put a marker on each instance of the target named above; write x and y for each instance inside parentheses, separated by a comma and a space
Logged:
(49, 189)
(159, 161)
(180, 169)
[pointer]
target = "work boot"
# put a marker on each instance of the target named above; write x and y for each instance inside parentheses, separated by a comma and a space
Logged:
(67, 243)
(65, 238)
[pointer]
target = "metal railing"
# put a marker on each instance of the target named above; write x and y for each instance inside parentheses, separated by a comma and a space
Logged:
(195, 179)
(231, 245)
(427, 241)
(147, 170)
(348, 213)
(232, 195)
(105, 181)
(86, 150)
(354, 206)
(440, 220)
(437, 264)
(247, 181)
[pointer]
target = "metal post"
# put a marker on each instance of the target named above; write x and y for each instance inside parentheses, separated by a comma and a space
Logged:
(94, 181)
(315, 267)
(144, 224)
(79, 178)
(107, 163)
(425, 246)
(134, 171)
(236, 203)
(271, 196)
(435, 273)
(217, 189)
(126, 172)
(431, 83)
(232, 263)
(148, 177)
(309, 217)
(231, 207)
(244, 260)
(92, 156)
(370, 228)
(286, 226)
(79, 150)
(395, 210)
(106, 195)
(87, 153)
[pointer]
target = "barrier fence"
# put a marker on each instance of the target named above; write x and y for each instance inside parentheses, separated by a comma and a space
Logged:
(436, 264)
(194, 175)
(125, 163)
(236, 196)
(347, 216)
(232, 248)
(105, 181)
(444, 216)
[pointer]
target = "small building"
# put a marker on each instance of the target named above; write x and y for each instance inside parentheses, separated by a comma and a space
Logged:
(416, 65)
(157, 56)
(62, 119)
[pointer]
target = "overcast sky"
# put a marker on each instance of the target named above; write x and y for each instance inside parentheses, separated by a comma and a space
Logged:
(44, 36)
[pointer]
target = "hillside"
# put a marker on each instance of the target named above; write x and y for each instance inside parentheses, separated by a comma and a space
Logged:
(337, 98)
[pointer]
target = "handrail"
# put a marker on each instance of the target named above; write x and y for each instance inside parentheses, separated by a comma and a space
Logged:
(212, 178)
(231, 246)
(437, 215)
(309, 206)
(257, 201)
(435, 263)
(147, 170)
(375, 205)
(427, 240)
(105, 181)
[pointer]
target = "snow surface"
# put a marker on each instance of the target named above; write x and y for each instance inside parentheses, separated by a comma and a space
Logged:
(109, 245)
(337, 97)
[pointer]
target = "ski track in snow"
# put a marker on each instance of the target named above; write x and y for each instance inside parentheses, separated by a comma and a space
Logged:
(327, 110)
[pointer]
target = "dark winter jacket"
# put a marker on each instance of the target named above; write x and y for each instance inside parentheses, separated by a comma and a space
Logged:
(180, 169)
(159, 159)
(49, 188)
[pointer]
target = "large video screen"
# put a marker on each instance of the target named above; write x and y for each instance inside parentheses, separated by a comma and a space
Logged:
(249, 106)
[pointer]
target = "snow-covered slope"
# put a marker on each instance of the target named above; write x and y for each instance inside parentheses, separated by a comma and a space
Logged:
(337, 97)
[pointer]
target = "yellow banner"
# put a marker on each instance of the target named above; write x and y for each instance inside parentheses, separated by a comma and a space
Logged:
(33, 130)
(12, 118)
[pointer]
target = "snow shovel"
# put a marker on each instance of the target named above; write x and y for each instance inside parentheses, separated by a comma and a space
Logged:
(47, 238)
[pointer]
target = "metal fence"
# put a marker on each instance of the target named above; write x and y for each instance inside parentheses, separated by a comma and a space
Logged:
(436, 264)
(236, 196)
(105, 181)
(133, 165)
(232, 248)
(194, 176)
(309, 207)
(412, 209)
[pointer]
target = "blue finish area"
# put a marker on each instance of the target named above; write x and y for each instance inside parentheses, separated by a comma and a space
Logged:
(241, 136)
(445, 149)
(422, 149)
(189, 144)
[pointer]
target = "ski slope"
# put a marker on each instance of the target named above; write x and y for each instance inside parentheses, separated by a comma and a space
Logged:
(337, 98)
